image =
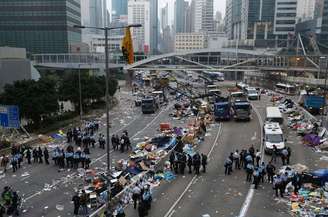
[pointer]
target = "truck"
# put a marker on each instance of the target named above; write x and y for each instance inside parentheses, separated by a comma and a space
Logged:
(314, 103)
(222, 110)
(241, 110)
(149, 105)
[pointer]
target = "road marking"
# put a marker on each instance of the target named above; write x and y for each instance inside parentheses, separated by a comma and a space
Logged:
(99, 158)
(137, 133)
(250, 193)
(246, 203)
(261, 130)
(254, 137)
(171, 210)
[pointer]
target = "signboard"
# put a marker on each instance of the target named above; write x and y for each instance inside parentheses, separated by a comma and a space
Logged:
(9, 116)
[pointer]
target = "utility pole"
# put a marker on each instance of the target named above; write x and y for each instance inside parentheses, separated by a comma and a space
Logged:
(80, 93)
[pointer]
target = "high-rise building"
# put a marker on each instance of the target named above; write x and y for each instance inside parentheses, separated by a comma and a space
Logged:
(179, 16)
(164, 17)
(93, 13)
(139, 12)
(324, 29)
(305, 10)
(192, 15)
(285, 18)
(259, 20)
(188, 17)
(154, 30)
(40, 26)
(203, 13)
(250, 20)
(119, 9)
(228, 20)
(218, 22)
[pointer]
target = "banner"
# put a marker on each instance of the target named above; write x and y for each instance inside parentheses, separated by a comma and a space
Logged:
(127, 46)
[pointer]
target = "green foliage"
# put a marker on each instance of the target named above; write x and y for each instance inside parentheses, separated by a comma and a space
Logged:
(36, 99)
(93, 88)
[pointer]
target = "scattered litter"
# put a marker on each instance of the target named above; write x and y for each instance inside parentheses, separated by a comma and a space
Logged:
(25, 174)
(46, 207)
(60, 207)
(325, 158)
(47, 187)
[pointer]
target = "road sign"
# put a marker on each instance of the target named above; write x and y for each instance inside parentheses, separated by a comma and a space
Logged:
(9, 116)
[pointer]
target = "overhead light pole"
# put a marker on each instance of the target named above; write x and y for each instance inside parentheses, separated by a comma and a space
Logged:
(80, 94)
(107, 75)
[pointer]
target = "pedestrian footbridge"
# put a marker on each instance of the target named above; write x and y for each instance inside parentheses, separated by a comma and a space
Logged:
(224, 59)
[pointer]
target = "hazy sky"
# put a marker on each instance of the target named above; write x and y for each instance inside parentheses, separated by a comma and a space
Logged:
(219, 5)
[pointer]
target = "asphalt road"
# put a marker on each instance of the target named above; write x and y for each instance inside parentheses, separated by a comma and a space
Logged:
(213, 193)
(264, 202)
(47, 192)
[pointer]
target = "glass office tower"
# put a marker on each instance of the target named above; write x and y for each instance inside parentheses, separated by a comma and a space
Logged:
(40, 26)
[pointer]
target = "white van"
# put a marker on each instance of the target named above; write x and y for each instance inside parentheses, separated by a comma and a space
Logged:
(252, 93)
(273, 136)
(273, 114)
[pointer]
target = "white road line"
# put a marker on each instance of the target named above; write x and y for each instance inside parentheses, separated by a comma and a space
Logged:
(250, 193)
(171, 211)
(137, 133)
(261, 126)
(99, 158)
(246, 203)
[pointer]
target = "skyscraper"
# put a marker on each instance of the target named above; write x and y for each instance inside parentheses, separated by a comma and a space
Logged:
(93, 13)
(40, 26)
(164, 17)
(203, 13)
(305, 10)
(228, 20)
(154, 30)
(119, 8)
(285, 20)
(324, 28)
(139, 12)
(179, 16)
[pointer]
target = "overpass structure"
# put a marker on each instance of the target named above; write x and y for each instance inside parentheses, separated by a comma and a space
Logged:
(224, 59)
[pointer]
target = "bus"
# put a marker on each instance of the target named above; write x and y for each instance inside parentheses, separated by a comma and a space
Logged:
(285, 89)
(273, 114)
(219, 76)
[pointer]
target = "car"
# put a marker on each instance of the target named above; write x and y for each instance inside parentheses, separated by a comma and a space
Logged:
(273, 136)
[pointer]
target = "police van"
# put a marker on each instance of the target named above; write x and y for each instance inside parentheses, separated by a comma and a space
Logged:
(273, 136)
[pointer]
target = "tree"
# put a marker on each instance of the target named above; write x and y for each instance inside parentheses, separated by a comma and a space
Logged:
(93, 88)
(36, 99)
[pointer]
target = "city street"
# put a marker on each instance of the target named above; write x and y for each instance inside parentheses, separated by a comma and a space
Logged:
(213, 193)
(52, 190)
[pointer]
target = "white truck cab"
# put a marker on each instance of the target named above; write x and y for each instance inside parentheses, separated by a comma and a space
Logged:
(273, 136)
(252, 93)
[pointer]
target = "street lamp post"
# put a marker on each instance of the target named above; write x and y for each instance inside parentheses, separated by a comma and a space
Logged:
(80, 93)
(106, 30)
(237, 46)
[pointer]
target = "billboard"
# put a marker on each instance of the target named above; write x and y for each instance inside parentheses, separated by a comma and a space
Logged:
(9, 116)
